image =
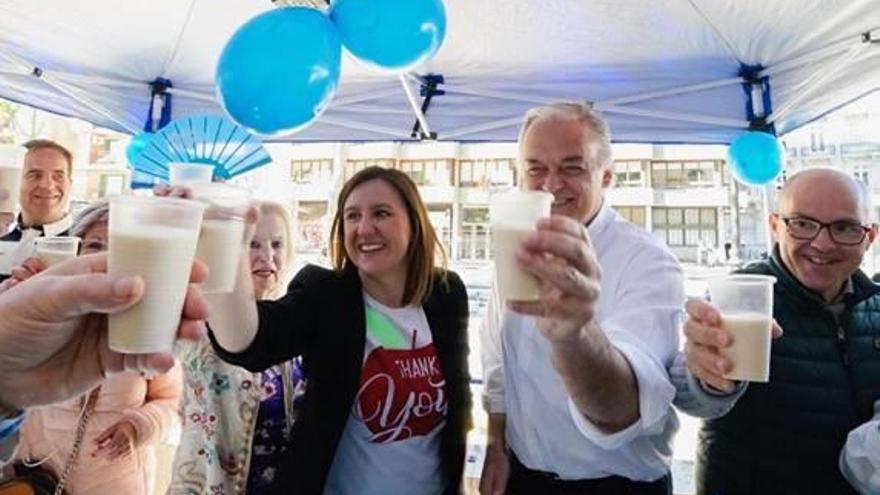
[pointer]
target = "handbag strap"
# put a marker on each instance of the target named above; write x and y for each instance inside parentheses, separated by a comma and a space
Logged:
(87, 409)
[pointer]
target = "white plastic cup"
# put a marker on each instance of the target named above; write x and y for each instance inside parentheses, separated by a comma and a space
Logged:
(746, 306)
(512, 216)
(222, 233)
(10, 178)
(181, 173)
(156, 239)
(55, 249)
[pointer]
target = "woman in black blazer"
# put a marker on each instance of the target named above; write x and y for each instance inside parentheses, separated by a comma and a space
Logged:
(384, 339)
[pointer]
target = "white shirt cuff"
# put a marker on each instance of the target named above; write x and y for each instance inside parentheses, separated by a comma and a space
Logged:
(494, 404)
(655, 399)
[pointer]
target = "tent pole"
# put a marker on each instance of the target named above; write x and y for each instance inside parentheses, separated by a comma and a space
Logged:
(65, 90)
(816, 80)
(498, 124)
(684, 117)
(364, 127)
(814, 56)
(420, 116)
(693, 88)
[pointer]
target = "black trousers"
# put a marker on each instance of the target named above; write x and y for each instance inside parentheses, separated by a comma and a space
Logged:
(525, 481)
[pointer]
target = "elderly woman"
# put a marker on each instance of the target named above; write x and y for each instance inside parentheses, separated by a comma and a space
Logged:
(127, 414)
(237, 423)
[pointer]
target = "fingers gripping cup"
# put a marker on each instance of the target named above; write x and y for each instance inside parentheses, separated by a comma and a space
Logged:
(746, 306)
(54, 250)
(222, 234)
(512, 216)
(181, 173)
(156, 239)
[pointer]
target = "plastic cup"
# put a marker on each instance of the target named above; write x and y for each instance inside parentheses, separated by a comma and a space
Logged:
(55, 249)
(512, 217)
(156, 239)
(746, 306)
(10, 177)
(181, 173)
(222, 234)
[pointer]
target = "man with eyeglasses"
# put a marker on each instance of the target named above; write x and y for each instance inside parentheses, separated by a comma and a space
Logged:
(786, 436)
(576, 387)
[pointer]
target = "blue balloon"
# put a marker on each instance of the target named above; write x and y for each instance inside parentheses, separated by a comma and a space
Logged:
(391, 35)
(755, 158)
(280, 70)
(136, 146)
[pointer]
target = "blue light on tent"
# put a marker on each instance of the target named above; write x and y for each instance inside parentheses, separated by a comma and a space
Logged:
(391, 35)
(280, 70)
(755, 157)
(136, 145)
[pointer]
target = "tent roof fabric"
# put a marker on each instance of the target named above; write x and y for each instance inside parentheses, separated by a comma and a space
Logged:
(97, 58)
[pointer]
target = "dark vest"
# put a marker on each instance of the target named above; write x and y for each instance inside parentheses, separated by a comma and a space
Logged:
(785, 436)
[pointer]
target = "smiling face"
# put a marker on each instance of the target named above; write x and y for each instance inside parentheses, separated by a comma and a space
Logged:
(821, 264)
(557, 157)
(376, 230)
(268, 254)
(45, 184)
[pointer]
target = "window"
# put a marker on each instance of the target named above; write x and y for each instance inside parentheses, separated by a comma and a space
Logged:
(310, 221)
(628, 174)
(686, 226)
(354, 166)
(635, 214)
(428, 172)
(494, 172)
(441, 219)
(474, 234)
(111, 184)
(862, 174)
(692, 173)
(311, 171)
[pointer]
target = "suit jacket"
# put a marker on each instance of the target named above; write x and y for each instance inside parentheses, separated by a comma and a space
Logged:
(322, 319)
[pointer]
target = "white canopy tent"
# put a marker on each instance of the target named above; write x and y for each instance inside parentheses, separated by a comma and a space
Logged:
(663, 71)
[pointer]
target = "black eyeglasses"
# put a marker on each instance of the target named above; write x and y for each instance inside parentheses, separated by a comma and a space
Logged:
(842, 232)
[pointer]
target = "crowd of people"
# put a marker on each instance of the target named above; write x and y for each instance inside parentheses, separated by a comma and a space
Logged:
(354, 379)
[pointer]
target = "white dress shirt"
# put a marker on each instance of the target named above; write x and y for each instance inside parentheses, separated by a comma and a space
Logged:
(641, 299)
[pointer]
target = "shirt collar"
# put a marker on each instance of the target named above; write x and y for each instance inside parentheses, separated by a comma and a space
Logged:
(50, 229)
(601, 220)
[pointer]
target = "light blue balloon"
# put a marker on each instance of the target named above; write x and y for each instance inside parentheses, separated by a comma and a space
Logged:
(280, 70)
(391, 35)
(755, 158)
(136, 146)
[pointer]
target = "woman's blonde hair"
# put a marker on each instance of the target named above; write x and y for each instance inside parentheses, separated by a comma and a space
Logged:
(98, 211)
(424, 247)
(273, 208)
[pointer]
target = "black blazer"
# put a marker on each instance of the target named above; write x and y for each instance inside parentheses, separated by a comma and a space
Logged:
(322, 319)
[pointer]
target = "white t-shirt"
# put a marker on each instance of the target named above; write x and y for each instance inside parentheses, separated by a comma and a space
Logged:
(391, 442)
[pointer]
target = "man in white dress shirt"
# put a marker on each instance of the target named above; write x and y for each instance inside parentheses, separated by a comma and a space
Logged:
(576, 387)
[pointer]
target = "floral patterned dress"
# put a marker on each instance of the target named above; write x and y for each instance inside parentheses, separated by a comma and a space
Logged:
(272, 431)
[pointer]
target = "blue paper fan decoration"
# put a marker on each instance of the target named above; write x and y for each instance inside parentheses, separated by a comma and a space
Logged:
(208, 139)
(141, 180)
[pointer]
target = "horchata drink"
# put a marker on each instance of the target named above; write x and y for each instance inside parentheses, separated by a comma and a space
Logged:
(222, 235)
(156, 239)
(10, 177)
(55, 249)
(746, 306)
(512, 216)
